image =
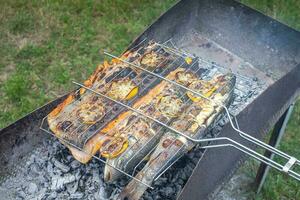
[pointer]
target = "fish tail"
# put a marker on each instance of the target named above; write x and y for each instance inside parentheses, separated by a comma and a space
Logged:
(133, 191)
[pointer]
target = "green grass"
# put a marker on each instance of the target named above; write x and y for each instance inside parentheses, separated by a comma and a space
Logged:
(46, 44)
(286, 11)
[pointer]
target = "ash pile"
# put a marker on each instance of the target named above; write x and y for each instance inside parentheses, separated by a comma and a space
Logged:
(50, 172)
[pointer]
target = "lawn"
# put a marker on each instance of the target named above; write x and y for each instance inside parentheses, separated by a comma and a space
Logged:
(46, 44)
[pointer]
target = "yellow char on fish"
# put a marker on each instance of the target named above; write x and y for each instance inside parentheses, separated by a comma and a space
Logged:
(74, 120)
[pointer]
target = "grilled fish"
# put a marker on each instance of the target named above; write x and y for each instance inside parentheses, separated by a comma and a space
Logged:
(142, 134)
(78, 121)
(194, 122)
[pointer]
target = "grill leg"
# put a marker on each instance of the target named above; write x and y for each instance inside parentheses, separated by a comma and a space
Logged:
(274, 141)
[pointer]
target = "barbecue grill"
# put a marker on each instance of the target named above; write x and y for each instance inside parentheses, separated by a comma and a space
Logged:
(221, 36)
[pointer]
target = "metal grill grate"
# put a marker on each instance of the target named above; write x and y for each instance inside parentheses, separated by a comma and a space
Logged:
(177, 58)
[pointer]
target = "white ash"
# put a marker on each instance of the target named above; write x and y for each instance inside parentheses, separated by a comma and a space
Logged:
(50, 172)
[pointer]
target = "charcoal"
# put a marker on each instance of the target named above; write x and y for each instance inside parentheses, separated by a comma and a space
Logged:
(73, 187)
(78, 175)
(91, 188)
(157, 197)
(183, 175)
(42, 194)
(174, 178)
(90, 197)
(77, 195)
(168, 191)
(40, 160)
(63, 195)
(69, 158)
(34, 169)
(60, 165)
(96, 176)
(188, 169)
(52, 195)
(178, 188)
(115, 192)
(100, 194)
(75, 164)
(81, 183)
(32, 188)
(58, 172)
(58, 182)
(21, 194)
(88, 181)
(157, 183)
(50, 169)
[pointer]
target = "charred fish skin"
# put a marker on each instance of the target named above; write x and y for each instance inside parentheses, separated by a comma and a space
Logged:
(165, 107)
(171, 146)
(80, 118)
